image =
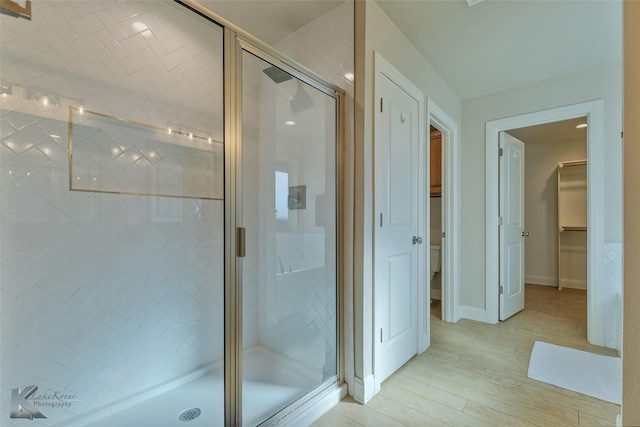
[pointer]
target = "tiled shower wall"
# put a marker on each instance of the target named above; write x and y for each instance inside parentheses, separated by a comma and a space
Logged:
(105, 295)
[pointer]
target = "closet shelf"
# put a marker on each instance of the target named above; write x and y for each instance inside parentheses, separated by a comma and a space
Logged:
(572, 222)
(572, 163)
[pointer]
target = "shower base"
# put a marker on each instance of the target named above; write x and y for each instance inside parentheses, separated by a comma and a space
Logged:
(271, 381)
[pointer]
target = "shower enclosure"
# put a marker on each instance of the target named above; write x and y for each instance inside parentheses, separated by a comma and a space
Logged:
(167, 221)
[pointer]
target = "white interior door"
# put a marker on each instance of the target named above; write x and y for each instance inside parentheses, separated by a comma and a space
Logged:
(512, 227)
(396, 227)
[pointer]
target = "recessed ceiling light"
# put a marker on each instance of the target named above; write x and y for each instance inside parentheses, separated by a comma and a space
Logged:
(142, 28)
(139, 26)
(289, 123)
(582, 126)
(6, 90)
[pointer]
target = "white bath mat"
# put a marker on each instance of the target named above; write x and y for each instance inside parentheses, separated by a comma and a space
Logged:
(587, 373)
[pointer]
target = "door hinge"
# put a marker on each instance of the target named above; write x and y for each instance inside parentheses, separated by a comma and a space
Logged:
(381, 105)
(380, 219)
(500, 152)
(443, 235)
(501, 290)
(241, 248)
(380, 334)
(621, 135)
(500, 220)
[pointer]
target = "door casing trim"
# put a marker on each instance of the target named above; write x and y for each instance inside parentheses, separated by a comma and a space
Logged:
(594, 111)
(450, 211)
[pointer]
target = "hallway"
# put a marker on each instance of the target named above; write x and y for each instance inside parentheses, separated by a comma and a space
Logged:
(475, 374)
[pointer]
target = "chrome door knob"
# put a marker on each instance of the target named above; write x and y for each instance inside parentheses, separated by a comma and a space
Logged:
(416, 240)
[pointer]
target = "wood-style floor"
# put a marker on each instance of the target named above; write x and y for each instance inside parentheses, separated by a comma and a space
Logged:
(475, 374)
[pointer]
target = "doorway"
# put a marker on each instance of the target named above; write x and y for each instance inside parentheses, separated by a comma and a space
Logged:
(593, 111)
(553, 188)
(436, 261)
(443, 213)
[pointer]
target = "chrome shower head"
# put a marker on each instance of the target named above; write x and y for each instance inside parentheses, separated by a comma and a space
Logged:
(276, 74)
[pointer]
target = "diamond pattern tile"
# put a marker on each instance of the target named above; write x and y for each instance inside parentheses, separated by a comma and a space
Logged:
(102, 57)
(105, 295)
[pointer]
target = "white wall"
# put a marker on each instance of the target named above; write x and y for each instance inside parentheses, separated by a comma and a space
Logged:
(376, 33)
(599, 83)
(541, 206)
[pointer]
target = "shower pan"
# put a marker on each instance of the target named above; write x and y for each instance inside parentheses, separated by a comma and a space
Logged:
(126, 177)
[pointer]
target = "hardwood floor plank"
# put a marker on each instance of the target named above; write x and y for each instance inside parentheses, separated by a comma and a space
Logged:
(493, 417)
(365, 415)
(506, 400)
(595, 421)
(334, 418)
(403, 414)
(428, 392)
(430, 408)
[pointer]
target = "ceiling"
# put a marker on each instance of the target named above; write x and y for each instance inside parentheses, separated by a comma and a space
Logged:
(284, 16)
(558, 131)
(497, 45)
(490, 47)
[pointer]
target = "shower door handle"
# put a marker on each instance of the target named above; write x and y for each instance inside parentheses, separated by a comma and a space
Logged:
(241, 242)
(416, 240)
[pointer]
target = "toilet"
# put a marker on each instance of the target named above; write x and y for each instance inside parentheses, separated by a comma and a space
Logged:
(434, 260)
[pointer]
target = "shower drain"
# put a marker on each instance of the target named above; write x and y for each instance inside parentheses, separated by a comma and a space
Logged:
(189, 414)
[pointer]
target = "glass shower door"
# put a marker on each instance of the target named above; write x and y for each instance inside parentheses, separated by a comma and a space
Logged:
(289, 213)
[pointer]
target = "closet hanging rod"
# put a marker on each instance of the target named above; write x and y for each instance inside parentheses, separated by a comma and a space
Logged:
(572, 163)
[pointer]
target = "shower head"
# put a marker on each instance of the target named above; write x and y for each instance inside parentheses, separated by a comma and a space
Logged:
(276, 74)
(301, 100)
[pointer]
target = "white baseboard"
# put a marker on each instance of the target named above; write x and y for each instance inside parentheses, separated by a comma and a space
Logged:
(473, 313)
(574, 284)
(364, 389)
(541, 280)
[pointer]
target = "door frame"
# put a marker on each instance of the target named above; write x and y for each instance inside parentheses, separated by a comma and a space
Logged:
(324, 395)
(383, 67)
(450, 211)
(594, 111)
